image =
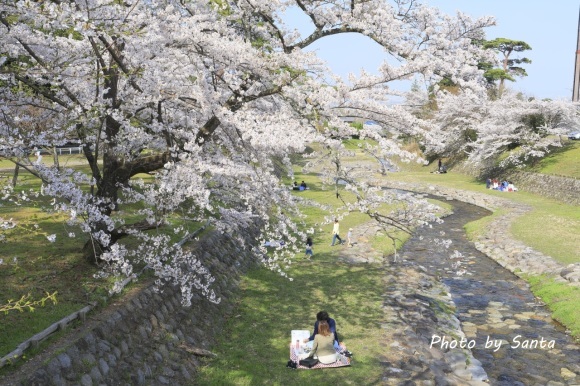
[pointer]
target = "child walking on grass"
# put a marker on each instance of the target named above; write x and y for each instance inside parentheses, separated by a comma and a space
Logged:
(309, 253)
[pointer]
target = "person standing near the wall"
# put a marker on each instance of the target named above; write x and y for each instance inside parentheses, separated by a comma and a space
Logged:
(335, 232)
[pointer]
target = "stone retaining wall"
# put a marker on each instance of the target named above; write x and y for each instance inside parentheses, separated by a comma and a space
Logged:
(151, 338)
(560, 188)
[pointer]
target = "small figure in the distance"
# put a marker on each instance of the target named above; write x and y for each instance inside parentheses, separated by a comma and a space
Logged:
(335, 233)
(309, 252)
(349, 237)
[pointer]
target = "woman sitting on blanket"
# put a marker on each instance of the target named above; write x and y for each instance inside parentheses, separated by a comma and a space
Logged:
(323, 316)
(323, 346)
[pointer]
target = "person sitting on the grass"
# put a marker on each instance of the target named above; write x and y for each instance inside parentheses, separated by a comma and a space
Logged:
(295, 186)
(323, 316)
(323, 346)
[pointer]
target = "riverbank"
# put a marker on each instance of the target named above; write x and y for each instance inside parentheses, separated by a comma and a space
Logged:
(454, 316)
(497, 242)
(505, 326)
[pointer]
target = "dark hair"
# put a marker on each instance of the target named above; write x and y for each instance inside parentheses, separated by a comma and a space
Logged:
(324, 328)
(322, 315)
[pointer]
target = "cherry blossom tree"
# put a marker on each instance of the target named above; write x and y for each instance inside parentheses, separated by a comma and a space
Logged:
(484, 129)
(203, 97)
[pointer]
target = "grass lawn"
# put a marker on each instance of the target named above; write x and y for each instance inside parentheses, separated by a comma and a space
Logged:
(563, 300)
(65, 160)
(30, 264)
(562, 162)
(253, 350)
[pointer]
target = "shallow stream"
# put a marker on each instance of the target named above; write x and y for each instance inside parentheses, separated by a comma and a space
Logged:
(507, 328)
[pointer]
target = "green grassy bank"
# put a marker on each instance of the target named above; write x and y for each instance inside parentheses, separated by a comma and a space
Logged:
(551, 227)
(253, 350)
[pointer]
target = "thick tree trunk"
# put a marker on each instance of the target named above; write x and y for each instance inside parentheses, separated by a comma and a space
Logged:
(117, 171)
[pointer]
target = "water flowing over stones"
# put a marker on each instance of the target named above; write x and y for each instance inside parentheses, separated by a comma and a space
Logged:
(493, 308)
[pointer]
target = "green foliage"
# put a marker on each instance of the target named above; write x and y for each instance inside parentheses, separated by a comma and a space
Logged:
(447, 83)
(510, 67)
(494, 74)
(535, 122)
(68, 33)
(26, 303)
(222, 7)
(357, 125)
(470, 135)
(259, 42)
(506, 46)
(294, 73)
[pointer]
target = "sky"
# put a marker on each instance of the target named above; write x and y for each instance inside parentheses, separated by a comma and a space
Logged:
(550, 27)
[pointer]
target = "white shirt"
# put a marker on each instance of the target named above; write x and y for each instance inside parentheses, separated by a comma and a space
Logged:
(335, 229)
